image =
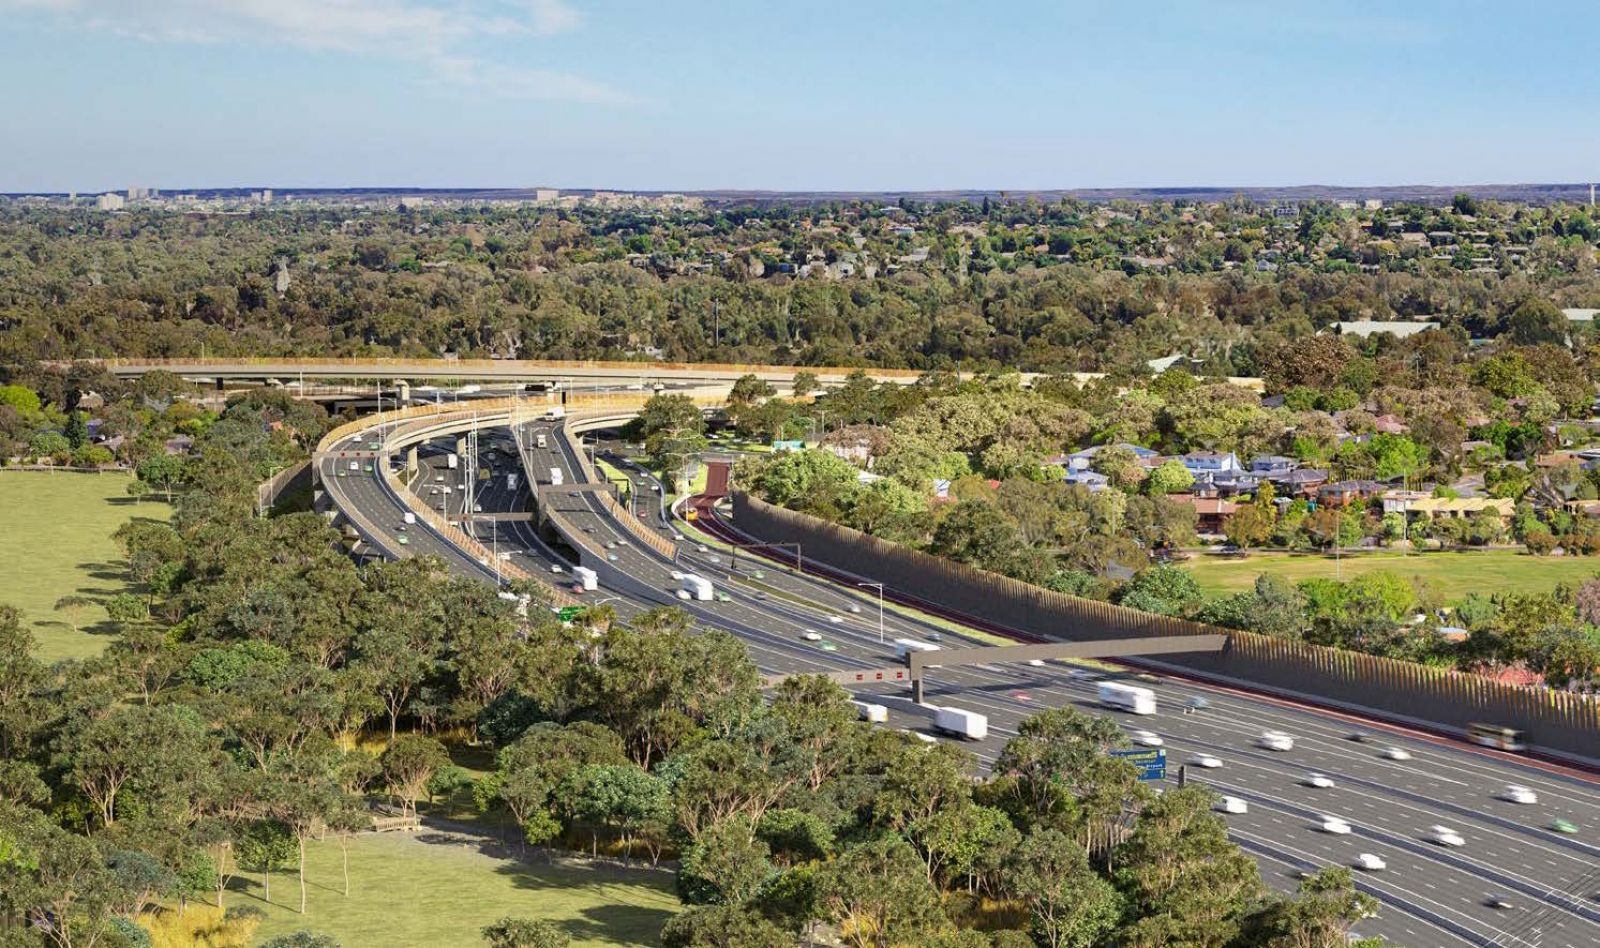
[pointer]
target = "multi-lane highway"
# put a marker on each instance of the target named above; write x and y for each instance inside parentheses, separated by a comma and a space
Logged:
(1433, 894)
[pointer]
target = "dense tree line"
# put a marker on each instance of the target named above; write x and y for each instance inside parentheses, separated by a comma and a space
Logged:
(1048, 287)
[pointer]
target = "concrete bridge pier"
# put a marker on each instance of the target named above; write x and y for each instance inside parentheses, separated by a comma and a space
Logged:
(402, 391)
(411, 460)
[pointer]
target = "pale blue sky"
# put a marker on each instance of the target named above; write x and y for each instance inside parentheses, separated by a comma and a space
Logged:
(868, 94)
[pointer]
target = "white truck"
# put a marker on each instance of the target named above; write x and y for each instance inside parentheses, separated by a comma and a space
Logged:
(698, 587)
(511, 481)
(903, 647)
(555, 413)
(411, 518)
(1129, 698)
(539, 441)
(962, 723)
(556, 477)
(872, 713)
(586, 577)
(452, 461)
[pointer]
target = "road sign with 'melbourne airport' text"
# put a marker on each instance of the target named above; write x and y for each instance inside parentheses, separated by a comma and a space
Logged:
(1151, 761)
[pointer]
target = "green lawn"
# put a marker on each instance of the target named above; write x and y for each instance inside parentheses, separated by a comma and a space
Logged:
(1451, 575)
(425, 890)
(57, 541)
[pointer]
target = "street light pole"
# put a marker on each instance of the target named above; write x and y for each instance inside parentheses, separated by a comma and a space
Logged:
(879, 587)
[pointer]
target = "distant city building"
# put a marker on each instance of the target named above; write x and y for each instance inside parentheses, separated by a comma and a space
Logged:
(546, 194)
(1373, 204)
(110, 201)
(1580, 315)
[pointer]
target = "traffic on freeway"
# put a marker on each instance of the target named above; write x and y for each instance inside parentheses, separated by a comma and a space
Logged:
(1461, 846)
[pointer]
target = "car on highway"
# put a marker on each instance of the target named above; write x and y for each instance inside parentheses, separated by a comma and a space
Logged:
(1197, 703)
(856, 608)
(1146, 738)
(1516, 793)
(1320, 781)
(1396, 753)
(935, 637)
(827, 646)
(1360, 737)
(1445, 836)
(555, 568)
(1337, 826)
(1369, 862)
(1275, 741)
(355, 465)
(701, 548)
(1232, 805)
(811, 635)
(759, 574)
(1564, 826)
(403, 540)
(1036, 662)
(611, 557)
(836, 619)
(1498, 902)
(724, 597)
(1207, 761)
(1147, 678)
(1021, 696)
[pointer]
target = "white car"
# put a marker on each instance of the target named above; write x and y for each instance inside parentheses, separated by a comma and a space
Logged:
(1445, 836)
(1036, 662)
(1207, 761)
(555, 568)
(1147, 738)
(1275, 741)
(836, 619)
(811, 635)
(1369, 862)
(1335, 826)
(855, 607)
(1233, 805)
(1396, 753)
(701, 548)
(1514, 793)
(1320, 781)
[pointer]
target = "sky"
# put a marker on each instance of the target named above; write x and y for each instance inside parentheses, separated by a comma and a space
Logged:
(825, 95)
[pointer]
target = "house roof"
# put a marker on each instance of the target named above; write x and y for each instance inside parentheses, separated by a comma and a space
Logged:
(1205, 505)
(1397, 328)
(1352, 487)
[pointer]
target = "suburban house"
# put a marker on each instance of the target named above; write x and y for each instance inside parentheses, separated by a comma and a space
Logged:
(1088, 479)
(1397, 328)
(1083, 460)
(1267, 465)
(1303, 481)
(1211, 513)
(1389, 424)
(1342, 493)
(1206, 465)
(1411, 502)
(1227, 485)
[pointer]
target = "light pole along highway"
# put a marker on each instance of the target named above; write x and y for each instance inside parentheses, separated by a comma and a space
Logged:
(1433, 896)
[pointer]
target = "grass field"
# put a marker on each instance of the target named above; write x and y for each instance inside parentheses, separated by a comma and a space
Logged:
(427, 889)
(56, 529)
(1451, 575)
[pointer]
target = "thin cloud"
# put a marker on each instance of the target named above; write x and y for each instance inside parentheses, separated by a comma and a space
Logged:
(439, 33)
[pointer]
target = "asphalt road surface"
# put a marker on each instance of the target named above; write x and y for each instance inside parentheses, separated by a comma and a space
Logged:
(1432, 894)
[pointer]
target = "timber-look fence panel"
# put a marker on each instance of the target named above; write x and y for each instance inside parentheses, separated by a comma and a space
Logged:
(1448, 700)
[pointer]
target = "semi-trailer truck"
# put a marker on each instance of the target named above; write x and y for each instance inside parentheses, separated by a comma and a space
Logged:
(452, 461)
(556, 477)
(902, 647)
(1129, 698)
(962, 723)
(873, 713)
(586, 577)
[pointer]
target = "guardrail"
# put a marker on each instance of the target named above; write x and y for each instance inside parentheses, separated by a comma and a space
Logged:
(473, 546)
(635, 527)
